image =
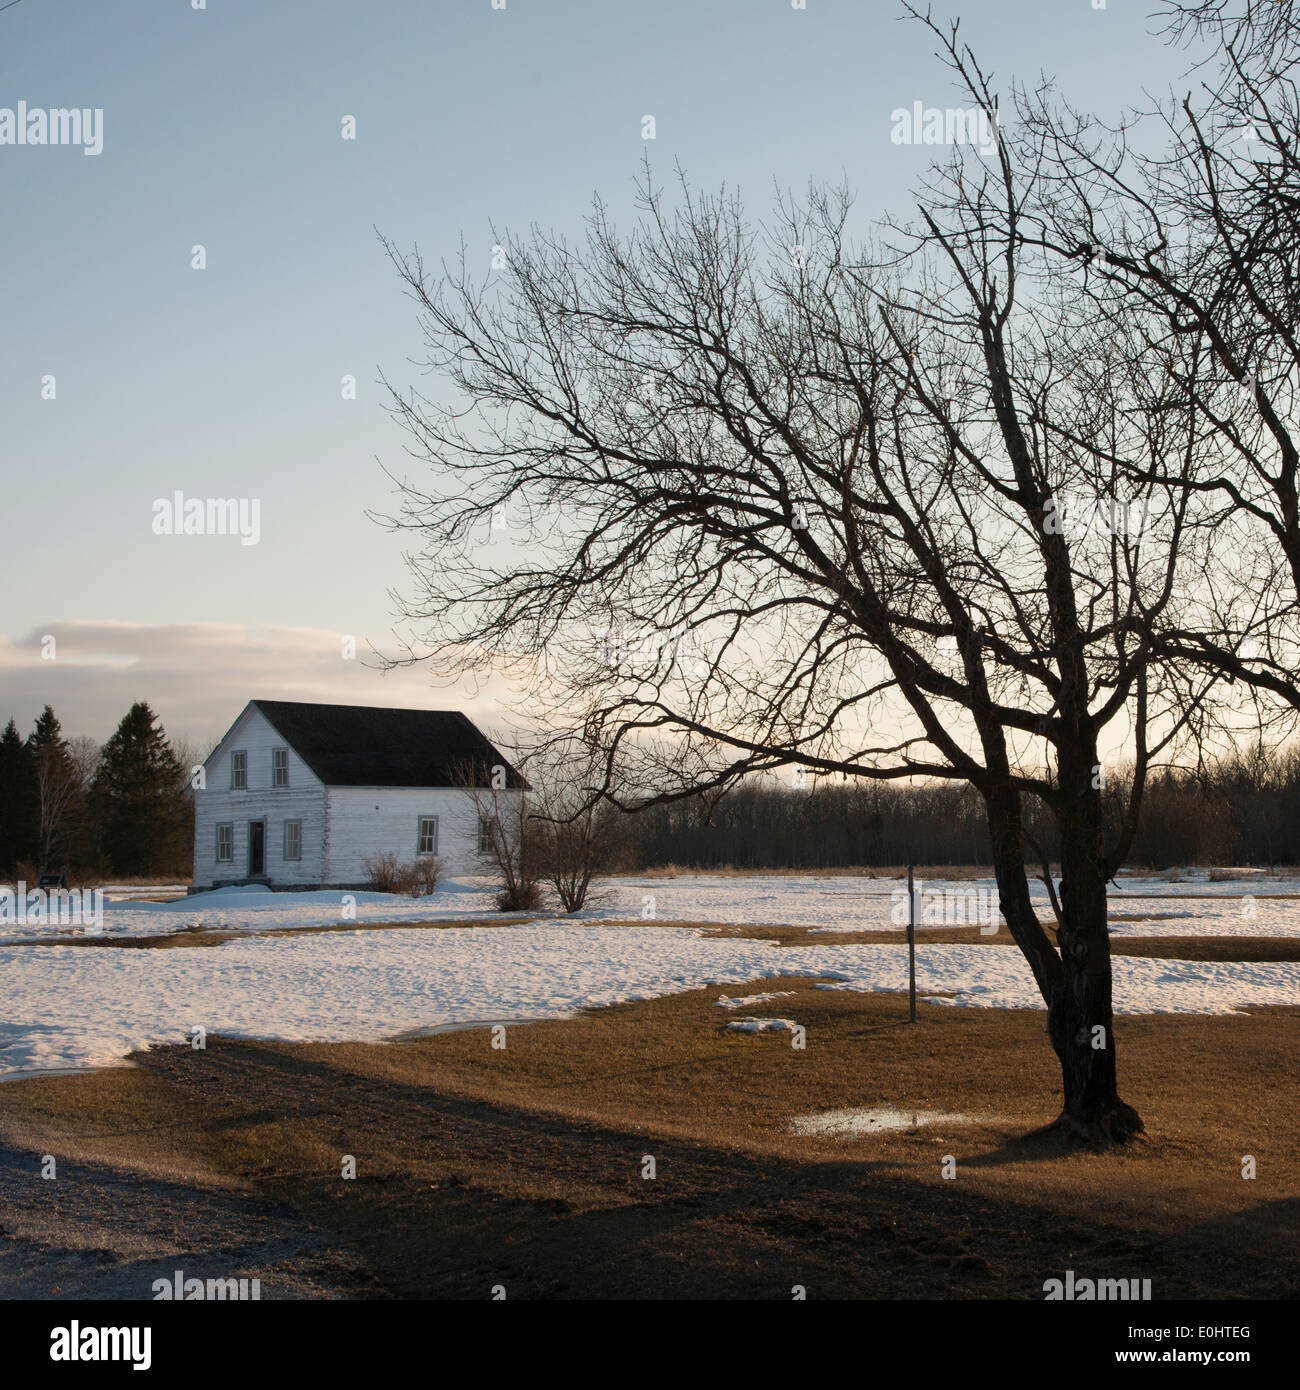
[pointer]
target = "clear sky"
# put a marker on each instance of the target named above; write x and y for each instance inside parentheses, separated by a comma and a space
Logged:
(222, 127)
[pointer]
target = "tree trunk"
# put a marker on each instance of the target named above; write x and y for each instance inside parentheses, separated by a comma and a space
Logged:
(1079, 1017)
(1003, 805)
(1075, 984)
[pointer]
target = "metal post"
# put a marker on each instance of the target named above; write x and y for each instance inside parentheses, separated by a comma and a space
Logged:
(911, 948)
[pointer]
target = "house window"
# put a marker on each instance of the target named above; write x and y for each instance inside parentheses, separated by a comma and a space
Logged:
(239, 772)
(428, 838)
(293, 839)
(279, 767)
(225, 844)
(484, 836)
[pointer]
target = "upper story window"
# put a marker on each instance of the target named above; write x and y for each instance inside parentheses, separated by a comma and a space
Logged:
(280, 767)
(427, 843)
(239, 771)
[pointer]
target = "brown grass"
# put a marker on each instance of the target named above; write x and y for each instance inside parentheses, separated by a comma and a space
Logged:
(523, 1165)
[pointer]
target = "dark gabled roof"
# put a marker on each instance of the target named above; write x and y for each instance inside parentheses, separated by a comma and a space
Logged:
(360, 746)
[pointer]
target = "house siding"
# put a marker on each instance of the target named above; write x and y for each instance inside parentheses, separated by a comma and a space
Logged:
(218, 803)
(363, 821)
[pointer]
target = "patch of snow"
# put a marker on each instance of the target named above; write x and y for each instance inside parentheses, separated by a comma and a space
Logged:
(845, 1124)
(725, 1001)
(763, 1025)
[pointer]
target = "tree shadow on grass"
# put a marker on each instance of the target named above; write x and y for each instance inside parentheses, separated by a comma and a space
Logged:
(457, 1194)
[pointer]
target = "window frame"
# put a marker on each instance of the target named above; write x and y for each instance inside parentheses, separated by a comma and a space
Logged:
(485, 836)
(419, 835)
(276, 769)
(292, 858)
(239, 753)
(229, 827)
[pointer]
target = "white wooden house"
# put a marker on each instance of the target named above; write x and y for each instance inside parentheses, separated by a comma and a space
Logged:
(299, 795)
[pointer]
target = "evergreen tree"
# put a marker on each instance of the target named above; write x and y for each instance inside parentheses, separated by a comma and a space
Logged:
(18, 799)
(139, 800)
(59, 792)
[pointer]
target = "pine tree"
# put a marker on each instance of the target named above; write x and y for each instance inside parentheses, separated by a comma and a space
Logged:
(18, 799)
(139, 800)
(59, 791)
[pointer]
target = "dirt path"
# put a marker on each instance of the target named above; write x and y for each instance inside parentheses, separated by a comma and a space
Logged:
(99, 1231)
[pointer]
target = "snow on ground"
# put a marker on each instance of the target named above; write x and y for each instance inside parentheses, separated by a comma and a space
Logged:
(1247, 906)
(1001, 979)
(1183, 903)
(114, 891)
(747, 1001)
(845, 1124)
(70, 1006)
(259, 909)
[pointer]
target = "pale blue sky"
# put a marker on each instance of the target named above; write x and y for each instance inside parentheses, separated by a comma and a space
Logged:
(222, 127)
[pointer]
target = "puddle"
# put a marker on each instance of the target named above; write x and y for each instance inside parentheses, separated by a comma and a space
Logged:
(844, 1124)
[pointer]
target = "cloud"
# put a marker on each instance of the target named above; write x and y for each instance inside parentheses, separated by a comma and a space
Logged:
(198, 676)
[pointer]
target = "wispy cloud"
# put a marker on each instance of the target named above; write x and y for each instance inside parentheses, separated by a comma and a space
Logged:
(197, 676)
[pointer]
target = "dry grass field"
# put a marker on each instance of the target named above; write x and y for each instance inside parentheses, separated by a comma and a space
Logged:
(523, 1166)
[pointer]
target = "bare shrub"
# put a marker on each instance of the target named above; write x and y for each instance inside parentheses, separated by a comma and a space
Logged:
(524, 895)
(512, 850)
(425, 875)
(385, 873)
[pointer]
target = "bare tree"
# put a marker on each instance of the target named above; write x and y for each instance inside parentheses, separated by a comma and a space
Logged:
(1183, 224)
(84, 754)
(915, 508)
(580, 831)
(191, 754)
(510, 840)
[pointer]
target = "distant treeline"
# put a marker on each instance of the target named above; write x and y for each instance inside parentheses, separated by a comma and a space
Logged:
(91, 810)
(1246, 812)
(123, 808)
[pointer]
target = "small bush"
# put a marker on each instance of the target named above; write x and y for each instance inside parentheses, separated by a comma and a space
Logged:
(385, 873)
(524, 897)
(425, 875)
